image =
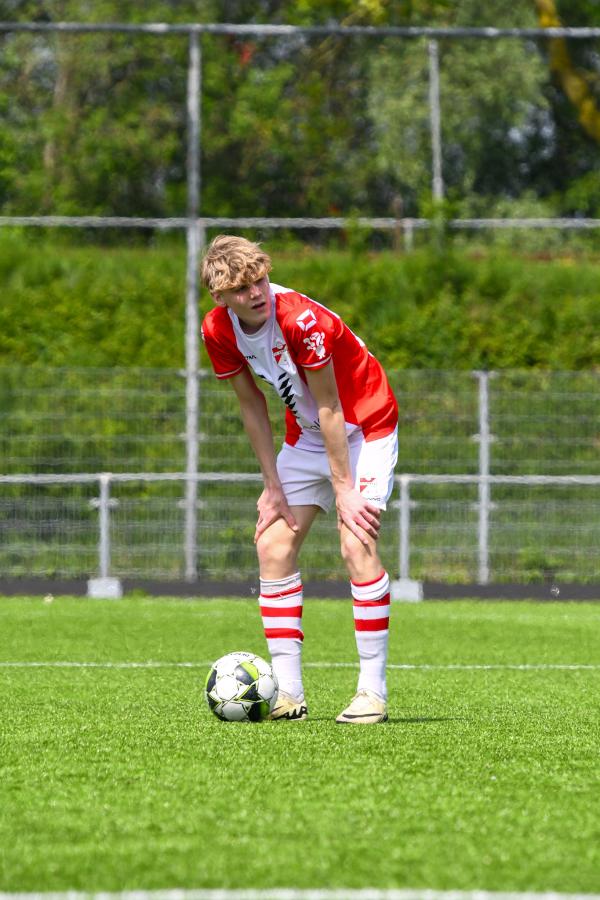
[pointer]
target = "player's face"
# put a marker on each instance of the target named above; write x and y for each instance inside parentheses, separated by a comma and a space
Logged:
(251, 303)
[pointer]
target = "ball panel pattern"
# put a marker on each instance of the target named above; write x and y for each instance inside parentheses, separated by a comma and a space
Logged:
(241, 687)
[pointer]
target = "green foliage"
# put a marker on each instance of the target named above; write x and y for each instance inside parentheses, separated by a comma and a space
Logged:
(583, 195)
(493, 106)
(452, 311)
(84, 306)
(319, 125)
(447, 309)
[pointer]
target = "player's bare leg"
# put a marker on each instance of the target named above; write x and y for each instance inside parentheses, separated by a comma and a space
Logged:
(362, 561)
(281, 601)
(371, 605)
(278, 546)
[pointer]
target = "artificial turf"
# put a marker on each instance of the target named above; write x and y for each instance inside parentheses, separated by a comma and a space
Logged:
(112, 778)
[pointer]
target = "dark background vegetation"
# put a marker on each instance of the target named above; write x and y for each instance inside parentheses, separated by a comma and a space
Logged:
(294, 126)
(297, 125)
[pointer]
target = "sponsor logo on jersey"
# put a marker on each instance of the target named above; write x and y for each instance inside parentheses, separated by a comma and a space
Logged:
(306, 320)
(316, 343)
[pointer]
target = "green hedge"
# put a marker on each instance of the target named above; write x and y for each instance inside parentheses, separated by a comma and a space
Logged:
(65, 305)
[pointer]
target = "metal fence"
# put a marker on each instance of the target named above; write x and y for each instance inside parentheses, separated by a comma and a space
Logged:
(195, 223)
(509, 422)
(452, 528)
(502, 485)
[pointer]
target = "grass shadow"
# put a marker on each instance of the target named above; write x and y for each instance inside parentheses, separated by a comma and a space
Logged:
(421, 720)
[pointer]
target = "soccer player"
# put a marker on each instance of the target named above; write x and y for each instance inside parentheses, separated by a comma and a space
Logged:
(340, 446)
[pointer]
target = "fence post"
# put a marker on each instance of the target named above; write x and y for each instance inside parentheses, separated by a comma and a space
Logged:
(484, 438)
(405, 588)
(104, 527)
(192, 353)
(404, 544)
(435, 119)
(104, 587)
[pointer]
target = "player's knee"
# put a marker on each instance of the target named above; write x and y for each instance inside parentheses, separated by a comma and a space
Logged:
(274, 550)
(361, 561)
(351, 548)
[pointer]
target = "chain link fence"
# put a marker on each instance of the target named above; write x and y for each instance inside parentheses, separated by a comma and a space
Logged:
(478, 427)
(133, 420)
(89, 420)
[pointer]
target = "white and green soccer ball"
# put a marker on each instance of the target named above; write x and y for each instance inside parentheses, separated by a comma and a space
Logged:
(241, 687)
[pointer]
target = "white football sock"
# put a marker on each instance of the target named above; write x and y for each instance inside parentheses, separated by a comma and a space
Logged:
(281, 610)
(371, 602)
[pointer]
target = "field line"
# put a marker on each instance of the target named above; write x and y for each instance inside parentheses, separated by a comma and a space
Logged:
(300, 894)
(202, 664)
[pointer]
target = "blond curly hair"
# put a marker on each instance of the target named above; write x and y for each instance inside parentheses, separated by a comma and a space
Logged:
(231, 261)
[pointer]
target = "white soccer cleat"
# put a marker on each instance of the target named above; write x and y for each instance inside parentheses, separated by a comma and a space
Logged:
(291, 708)
(365, 708)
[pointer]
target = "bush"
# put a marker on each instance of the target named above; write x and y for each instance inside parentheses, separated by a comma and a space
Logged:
(65, 305)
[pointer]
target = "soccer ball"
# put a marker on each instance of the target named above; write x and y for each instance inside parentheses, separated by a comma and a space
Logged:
(241, 687)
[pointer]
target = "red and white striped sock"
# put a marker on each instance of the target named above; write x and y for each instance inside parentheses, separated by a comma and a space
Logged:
(371, 602)
(281, 610)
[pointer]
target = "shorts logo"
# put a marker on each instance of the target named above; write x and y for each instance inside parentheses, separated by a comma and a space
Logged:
(316, 343)
(364, 483)
(306, 320)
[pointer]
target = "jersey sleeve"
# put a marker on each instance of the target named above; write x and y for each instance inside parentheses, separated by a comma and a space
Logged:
(311, 331)
(219, 340)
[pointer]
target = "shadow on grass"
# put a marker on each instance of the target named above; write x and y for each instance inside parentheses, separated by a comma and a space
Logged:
(421, 720)
(393, 720)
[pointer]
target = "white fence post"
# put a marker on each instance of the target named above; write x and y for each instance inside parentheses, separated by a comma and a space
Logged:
(104, 526)
(404, 536)
(405, 588)
(192, 352)
(484, 505)
(104, 587)
(435, 120)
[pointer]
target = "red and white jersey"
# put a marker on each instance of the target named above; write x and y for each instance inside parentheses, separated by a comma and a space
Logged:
(302, 334)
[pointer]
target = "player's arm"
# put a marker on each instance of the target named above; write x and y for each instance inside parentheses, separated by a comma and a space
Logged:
(272, 503)
(357, 513)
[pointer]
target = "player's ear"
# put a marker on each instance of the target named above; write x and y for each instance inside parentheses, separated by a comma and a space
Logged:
(219, 299)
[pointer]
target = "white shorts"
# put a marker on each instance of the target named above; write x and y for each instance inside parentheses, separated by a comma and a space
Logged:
(306, 476)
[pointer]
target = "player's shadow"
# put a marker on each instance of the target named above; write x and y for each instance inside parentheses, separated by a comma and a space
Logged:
(401, 720)
(421, 720)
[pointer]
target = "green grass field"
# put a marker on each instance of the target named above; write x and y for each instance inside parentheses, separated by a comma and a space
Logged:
(116, 777)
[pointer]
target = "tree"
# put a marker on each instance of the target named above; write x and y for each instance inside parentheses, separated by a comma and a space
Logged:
(493, 110)
(576, 84)
(94, 123)
(292, 125)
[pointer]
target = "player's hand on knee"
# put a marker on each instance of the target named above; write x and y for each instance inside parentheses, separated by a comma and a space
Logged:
(272, 505)
(359, 515)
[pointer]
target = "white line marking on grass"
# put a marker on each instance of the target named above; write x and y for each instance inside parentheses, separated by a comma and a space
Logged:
(82, 664)
(300, 894)
(202, 664)
(522, 667)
